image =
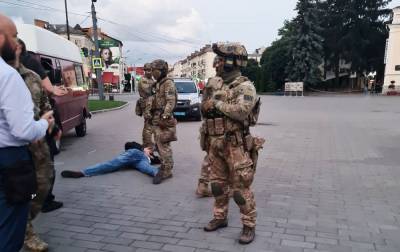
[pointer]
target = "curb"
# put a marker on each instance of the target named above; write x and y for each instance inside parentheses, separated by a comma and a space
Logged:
(108, 110)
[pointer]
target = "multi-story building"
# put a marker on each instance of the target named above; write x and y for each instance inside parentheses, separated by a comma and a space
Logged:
(198, 65)
(257, 54)
(392, 57)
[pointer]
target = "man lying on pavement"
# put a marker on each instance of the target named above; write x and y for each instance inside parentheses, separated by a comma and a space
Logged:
(134, 156)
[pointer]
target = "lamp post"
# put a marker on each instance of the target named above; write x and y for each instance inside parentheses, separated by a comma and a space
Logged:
(97, 53)
(66, 17)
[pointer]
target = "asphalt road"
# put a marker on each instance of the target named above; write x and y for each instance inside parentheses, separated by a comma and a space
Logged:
(328, 179)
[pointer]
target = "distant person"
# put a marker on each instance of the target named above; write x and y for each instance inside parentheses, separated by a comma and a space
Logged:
(143, 108)
(17, 129)
(163, 121)
(106, 55)
(50, 204)
(134, 156)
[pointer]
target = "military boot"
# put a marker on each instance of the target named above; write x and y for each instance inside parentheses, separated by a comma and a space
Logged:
(32, 241)
(215, 224)
(248, 234)
(203, 190)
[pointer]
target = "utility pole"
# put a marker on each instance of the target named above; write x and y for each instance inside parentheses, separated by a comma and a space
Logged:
(66, 17)
(97, 53)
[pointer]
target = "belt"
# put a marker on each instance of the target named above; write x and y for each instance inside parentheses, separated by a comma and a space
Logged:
(10, 155)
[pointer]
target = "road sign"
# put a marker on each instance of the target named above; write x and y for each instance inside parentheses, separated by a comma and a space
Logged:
(97, 63)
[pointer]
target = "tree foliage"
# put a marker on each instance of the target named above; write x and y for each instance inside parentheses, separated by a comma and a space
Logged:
(252, 71)
(328, 32)
(306, 44)
(275, 59)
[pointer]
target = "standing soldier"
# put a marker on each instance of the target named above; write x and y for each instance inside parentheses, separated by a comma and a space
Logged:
(144, 104)
(40, 153)
(233, 151)
(164, 124)
(213, 84)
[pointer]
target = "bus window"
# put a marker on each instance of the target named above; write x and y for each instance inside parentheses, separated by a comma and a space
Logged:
(79, 76)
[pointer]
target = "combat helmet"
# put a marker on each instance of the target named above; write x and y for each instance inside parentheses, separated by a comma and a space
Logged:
(160, 64)
(234, 53)
(147, 67)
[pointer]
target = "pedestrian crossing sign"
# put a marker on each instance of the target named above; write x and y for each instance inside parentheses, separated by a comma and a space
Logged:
(97, 63)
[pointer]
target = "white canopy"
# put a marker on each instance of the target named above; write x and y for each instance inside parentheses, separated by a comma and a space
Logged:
(44, 42)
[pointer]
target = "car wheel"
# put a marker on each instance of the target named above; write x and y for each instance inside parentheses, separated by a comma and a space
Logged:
(81, 129)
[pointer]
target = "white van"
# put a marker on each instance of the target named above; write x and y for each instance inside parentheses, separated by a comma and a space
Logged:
(189, 99)
(63, 63)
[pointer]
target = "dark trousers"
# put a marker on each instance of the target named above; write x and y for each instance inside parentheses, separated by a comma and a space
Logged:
(53, 151)
(13, 218)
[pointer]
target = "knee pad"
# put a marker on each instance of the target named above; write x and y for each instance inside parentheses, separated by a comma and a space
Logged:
(217, 189)
(238, 198)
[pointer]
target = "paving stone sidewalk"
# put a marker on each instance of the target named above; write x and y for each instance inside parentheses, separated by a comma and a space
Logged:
(328, 180)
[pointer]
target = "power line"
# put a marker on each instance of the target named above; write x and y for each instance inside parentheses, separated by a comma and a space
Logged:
(31, 5)
(38, 7)
(163, 37)
(52, 8)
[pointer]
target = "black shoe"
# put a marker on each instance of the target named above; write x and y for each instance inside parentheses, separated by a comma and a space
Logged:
(215, 224)
(51, 206)
(158, 178)
(72, 174)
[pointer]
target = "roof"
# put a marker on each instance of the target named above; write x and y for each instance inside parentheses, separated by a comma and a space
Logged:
(62, 29)
(101, 35)
(42, 41)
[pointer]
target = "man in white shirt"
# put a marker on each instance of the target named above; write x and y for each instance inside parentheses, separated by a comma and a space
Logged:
(17, 130)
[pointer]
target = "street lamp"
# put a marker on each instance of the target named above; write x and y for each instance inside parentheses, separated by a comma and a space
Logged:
(97, 53)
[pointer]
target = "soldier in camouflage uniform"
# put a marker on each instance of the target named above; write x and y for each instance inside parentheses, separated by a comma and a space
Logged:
(213, 84)
(232, 151)
(164, 124)
(40, 155)
(143, 107)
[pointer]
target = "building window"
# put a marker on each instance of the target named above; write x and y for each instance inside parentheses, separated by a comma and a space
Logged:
(397, 68)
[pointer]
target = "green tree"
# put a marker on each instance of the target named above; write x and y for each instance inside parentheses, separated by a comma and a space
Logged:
(252, 71)
(354, 31)
(307, 45)
(275, 59)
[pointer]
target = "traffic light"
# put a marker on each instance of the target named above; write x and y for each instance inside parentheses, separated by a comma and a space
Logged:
(85, 51)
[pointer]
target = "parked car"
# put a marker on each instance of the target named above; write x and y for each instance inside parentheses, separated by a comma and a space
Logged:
(63, 63)
(188, 104)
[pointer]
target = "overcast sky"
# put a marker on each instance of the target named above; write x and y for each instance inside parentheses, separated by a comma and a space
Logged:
(168, 29)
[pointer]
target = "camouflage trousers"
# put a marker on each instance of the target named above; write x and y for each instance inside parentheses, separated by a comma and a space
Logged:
(205, 171)
(165, 151)
(44, 173)
(147, 134)
(44, 168)
(232, 169)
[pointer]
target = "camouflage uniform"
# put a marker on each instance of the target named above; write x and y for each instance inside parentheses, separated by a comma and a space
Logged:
(231, 146)
(40, 155)
(213, 84)
(164, 124)
(143, 108)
